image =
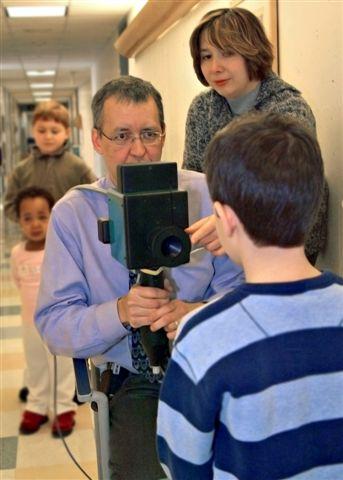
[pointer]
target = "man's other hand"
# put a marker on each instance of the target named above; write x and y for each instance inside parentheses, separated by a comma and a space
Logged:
(171, 314)
(204, 233)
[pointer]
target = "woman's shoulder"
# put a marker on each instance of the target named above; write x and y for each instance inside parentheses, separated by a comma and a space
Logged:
(206, 98)
(278, 96)
(273, 88)
(209, 112)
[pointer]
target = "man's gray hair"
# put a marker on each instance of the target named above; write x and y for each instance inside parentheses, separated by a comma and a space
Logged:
(125, 89)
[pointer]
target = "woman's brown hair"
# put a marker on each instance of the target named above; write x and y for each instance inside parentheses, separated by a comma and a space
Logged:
(234, 30)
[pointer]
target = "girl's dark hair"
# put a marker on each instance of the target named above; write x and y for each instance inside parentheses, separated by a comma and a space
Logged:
(32, 192)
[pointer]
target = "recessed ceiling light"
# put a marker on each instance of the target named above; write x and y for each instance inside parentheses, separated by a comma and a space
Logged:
(40, 73)
(41, 85)
(41, 94)
(35, 11)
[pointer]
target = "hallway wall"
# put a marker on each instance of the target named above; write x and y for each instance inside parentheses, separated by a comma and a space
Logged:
(86, 147)
(106, 68)
(311, 58)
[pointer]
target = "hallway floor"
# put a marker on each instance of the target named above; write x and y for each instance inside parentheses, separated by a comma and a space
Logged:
(36, 456)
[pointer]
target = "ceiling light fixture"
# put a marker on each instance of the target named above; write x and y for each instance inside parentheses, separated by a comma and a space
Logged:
(41, 85)
(35, 11)
(40, 73)
(41, 94)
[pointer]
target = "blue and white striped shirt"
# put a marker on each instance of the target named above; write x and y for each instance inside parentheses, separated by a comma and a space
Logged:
(254, 389)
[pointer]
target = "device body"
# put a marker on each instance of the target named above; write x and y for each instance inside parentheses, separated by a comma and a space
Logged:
(145, 228)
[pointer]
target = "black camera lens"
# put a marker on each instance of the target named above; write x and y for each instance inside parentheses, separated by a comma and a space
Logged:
(171, 247)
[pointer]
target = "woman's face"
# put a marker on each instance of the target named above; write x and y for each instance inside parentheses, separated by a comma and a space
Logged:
(225, 72)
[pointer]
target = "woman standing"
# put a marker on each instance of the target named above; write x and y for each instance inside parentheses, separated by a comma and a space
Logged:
(232, 55)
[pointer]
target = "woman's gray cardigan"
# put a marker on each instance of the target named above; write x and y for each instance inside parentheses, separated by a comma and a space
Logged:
(209, 112)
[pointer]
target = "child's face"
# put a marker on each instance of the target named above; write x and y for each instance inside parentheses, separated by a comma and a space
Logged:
(49, 135)
(33, 218)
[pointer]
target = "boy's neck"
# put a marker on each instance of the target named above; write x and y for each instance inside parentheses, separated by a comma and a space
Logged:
(31, 246)
(275, 265)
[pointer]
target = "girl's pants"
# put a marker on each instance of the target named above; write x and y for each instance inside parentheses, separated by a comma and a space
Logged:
(39, 376)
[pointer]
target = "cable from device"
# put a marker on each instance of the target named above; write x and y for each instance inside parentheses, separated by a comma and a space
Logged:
(58, 427)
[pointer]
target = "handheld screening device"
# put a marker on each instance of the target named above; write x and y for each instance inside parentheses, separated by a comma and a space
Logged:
(145, 228)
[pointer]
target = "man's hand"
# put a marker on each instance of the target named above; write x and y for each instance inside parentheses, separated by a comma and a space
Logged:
(152, 306)
(141, 305)
(170, 316)
(203, 232)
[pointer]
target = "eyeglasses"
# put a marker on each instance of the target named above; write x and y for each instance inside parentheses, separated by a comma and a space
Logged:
(125, 139)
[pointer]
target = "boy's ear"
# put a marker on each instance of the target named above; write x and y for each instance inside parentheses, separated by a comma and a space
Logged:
(96, 141)
(227, 217)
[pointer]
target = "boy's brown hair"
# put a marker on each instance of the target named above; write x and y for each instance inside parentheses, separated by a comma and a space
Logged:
(51, 110)
(268, 168)
(234, 30)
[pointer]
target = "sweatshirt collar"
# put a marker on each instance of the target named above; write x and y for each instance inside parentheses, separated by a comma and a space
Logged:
(37, 154)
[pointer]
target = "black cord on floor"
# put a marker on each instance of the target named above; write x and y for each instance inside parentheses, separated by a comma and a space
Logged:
(58, 427)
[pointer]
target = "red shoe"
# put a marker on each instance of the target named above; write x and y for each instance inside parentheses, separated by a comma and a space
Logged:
(65, 421)
(31, 422)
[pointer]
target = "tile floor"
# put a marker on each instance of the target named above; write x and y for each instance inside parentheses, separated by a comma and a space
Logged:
(37, 456)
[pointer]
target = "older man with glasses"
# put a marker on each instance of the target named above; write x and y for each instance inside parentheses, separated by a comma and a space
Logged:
(86, 307)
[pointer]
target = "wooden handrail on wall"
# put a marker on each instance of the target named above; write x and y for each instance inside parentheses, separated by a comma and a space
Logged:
(152, 21)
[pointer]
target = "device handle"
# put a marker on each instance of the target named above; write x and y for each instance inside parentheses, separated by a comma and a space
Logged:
(155, 344)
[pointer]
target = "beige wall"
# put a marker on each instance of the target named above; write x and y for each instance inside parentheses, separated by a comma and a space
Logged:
(310, 49)
(311, 53)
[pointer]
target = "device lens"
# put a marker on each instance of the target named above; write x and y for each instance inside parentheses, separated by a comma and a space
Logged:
(171, 246)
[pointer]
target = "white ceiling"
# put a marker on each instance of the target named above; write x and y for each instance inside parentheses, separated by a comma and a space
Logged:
(68, 45)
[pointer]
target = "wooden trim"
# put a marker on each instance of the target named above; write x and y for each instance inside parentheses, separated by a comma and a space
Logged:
(150, 23)
(275, 34)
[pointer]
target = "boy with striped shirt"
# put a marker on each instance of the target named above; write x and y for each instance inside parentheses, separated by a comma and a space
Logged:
(254, 389)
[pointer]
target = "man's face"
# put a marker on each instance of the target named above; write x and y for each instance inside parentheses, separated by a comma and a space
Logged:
(122, 118)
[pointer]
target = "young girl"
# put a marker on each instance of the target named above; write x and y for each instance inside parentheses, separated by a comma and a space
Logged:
(33, 206)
